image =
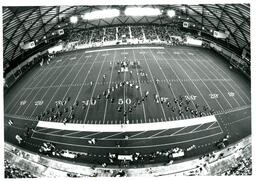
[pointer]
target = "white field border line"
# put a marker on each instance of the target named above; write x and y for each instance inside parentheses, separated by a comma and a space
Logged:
(56, 78)
(41, 77)
(109, 83)
(131, 138)
(210, 62)
(86, 136)
(239, 120)
(219, 81)
(177, 75)
(165, 79)
(166, 130)
(210, 126)
(55, 131)
(88, 107)
(105, 138)
(155, 86)
(38, 90)
(99, 83)
(70, 70)
(145, 146)
(41, 129)
(75, 132)
(127, 127)
(196, 128)
(137, 134)
(125, 48)
(194, 84)
(220, 126)
(203, 81)
(138, 76)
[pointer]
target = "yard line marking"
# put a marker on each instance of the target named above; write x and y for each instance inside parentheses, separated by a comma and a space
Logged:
(109, 147)
(203, 82)
(165, 78)
(85, 79)
(143, 105)
(38, 90)
(89, 135)
(224, 73)
(56, 78)
(111, 135)
(240, 119)
(87, 58)
(94, 89)
(196, 128)
(56, 131)
(178, 131)
(22, 89)
(31, 90)
(220, 82)
(210, 126)
(137, 134)
(33, 97)
(177, 76)
(38, 130)
(194, 85)
(61, 83)
(158, 133)
(114, 139)
(155, 86)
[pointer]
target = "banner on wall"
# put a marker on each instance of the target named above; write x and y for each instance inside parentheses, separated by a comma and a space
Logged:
(26, 46)
(61, 32)
(218, 34)
(185, 24)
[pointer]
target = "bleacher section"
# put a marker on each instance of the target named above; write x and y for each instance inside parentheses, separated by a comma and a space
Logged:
(110, 34)
(232, 160)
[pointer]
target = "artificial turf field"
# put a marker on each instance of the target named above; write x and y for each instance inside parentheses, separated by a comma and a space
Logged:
(193, 72)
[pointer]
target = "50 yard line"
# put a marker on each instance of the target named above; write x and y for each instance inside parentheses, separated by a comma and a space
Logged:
(106, 105)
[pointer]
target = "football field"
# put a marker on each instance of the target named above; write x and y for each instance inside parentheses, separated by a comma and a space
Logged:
(191, 90)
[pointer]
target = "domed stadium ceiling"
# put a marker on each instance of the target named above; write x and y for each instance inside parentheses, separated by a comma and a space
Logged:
(24, 24)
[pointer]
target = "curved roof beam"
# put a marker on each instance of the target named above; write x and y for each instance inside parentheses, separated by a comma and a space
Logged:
(30, 28)
(20, 24)
(38, 28)
(201, 15)
(237, 26)
(223, 24)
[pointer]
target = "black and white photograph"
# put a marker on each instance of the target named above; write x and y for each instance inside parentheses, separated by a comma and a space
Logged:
(109, 89)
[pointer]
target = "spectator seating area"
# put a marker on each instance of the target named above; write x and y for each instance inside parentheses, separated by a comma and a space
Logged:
(126, 34)
(123, 31)
(150, 33)
(11, 171)
(110, 34)
(137, 32)
(232, 160)
(97, 35)
(86, 35)
(162, 33)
